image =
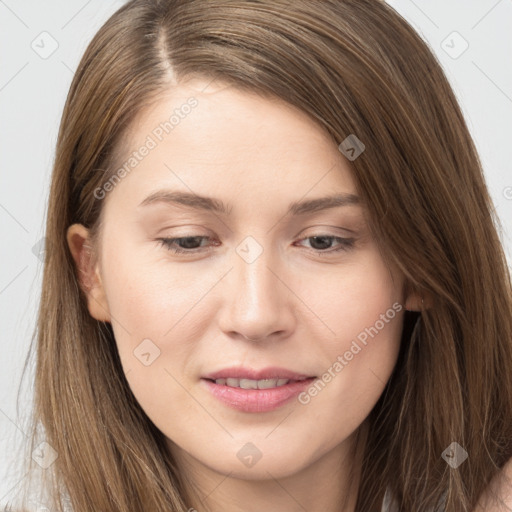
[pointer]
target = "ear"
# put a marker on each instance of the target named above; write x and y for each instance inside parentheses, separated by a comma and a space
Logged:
(414, 301)
(88, 272)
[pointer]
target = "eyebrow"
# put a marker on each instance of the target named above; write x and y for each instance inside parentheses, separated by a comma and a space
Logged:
(217, 206)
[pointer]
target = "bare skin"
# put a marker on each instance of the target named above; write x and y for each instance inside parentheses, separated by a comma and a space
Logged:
(498, 496)
(299, 304)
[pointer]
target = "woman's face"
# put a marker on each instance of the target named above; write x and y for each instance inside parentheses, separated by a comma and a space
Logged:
(241, 185)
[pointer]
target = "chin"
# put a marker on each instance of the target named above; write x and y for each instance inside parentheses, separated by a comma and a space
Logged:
(255, 460)
(262, 470)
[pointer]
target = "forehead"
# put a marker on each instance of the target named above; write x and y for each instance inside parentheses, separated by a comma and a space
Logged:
(211, 137)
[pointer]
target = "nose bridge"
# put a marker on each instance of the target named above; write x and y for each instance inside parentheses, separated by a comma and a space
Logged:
(258, 302)
(254, 281)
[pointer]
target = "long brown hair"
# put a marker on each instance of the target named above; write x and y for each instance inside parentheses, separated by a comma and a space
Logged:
(356, 67)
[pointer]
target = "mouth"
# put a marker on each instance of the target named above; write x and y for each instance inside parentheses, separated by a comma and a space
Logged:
(269, 373)
(249, 390)
(254, 384)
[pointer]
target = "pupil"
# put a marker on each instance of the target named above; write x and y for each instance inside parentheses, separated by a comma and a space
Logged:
(185, 242)
(326, 239)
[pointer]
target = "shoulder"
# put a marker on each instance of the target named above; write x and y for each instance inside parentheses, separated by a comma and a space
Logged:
(498, 496)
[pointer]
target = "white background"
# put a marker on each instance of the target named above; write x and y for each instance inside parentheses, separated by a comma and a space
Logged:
(32, 95)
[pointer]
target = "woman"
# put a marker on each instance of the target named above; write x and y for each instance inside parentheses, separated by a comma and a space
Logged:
(275, 278)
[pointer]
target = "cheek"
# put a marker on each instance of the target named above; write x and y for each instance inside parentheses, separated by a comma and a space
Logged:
(147, 296)
(352, 298)
(153, 349)
(360, 352)
(156, 313)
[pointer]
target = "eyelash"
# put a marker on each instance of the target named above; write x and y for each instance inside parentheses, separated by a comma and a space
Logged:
(345, 244)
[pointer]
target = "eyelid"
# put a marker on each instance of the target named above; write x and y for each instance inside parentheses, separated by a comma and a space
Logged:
(323, 229)
(344, 244)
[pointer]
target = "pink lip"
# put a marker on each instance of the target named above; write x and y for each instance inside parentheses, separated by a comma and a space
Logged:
(271, 372)
(256, 400)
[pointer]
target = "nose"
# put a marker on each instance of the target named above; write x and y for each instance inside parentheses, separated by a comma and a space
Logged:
(258, 304)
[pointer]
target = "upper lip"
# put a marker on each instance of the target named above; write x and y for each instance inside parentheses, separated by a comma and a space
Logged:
(271, 372)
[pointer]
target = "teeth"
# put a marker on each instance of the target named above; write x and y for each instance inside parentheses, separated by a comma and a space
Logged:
(268, 383)
(248, 384)
(252, 384)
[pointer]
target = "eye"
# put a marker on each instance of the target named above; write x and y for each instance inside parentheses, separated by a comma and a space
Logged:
(321, 244)
(189, 243)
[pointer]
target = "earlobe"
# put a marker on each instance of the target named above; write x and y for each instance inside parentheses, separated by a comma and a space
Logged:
(416, 301)
(89, 278)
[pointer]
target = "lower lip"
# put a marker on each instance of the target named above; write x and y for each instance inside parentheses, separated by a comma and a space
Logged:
(257, 400)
